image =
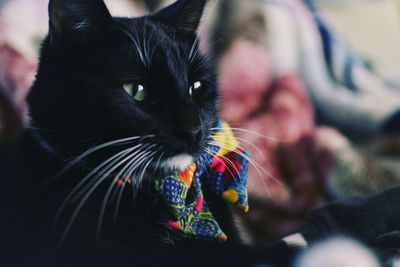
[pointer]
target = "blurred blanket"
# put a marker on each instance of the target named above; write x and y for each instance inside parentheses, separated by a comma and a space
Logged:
(346, 92)
(273, 118)
(275, 70)
(22, 26)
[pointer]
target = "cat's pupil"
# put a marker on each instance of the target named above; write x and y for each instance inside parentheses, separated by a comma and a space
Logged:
(136, 90)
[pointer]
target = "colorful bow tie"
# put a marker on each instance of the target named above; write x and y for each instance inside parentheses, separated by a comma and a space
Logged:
(223, 170)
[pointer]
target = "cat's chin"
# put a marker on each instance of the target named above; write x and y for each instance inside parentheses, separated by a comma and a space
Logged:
(180, 162)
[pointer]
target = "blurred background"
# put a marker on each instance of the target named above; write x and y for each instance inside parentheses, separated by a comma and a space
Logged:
(311, 88)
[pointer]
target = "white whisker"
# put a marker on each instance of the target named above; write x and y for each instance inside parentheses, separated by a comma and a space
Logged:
(231, 164)
(138, 148)
(252, 145)
(254, 133)
(255, 165)
(111, 187)
(132, 169)
(132, 166)
(97, 148)
(263, 181)
(141, 177)
(260, 170)
(194, 47)
(88, 194)
(193, 54)
(136, 44)
(112, 159)
(221, 161)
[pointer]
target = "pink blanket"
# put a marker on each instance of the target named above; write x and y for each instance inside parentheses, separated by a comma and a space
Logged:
(275, 120)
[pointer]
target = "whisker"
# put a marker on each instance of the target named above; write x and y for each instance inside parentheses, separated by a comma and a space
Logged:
(88, 194)
(158, 162)
(95, 149)
(112, 159)
(128, 172)
(145, 168)
(192, 50)
(241, 154)
(222, 162)
(258, 150)
(252, 145)
(231, 164)
(138, 148)
(137, 45)
(146, 44)
(110, 190)
(196, 41)
(254, 162)
(264, 183)
(256, 166)
(121, 190)
(254, 133)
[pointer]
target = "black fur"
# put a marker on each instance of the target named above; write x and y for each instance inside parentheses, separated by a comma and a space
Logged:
(78, 97)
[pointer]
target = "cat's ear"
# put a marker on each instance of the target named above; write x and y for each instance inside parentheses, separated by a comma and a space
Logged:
(72, 17)
(183, 14)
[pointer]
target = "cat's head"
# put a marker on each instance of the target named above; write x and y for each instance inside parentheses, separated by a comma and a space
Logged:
(102, 79)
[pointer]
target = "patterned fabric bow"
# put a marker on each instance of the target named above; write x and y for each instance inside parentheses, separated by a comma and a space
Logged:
(224, 171)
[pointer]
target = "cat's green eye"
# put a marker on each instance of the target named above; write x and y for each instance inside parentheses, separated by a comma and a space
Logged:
(136, 90)
(195, 89)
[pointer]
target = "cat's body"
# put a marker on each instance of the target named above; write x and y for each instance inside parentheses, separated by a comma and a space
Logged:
(103, 79)
(29, 212)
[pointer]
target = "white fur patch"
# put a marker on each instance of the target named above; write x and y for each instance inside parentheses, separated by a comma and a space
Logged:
(180, 162)
(338, 252)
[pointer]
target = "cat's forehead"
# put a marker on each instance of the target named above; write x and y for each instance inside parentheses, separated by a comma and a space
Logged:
(157, 42)
(146, 28)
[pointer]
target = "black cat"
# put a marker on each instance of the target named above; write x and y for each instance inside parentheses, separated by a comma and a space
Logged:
(142, 86)
(107, 87)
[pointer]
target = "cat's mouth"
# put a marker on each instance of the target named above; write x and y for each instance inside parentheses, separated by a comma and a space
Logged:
(180, 162)
(180, 155)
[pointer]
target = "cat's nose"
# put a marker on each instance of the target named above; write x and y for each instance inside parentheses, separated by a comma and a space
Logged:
(186, 140)
(188, 127)
(190, 135)
(190, 120)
